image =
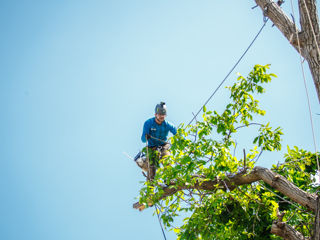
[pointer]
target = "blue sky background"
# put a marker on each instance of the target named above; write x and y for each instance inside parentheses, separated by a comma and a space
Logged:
(78, 80)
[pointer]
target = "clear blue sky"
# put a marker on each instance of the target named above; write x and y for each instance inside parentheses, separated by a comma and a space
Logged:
(79, 78)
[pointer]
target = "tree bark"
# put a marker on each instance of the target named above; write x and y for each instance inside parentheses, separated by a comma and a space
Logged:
(308, 37)
(316, 235)
(285, 231)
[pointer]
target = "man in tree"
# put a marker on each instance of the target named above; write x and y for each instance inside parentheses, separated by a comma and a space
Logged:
(227, 196)
(155, 133)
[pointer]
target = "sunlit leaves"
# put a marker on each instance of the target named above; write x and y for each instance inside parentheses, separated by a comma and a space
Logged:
(269, 139)
(206, 151)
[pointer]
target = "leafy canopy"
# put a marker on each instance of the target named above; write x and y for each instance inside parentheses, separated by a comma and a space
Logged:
(207, 151)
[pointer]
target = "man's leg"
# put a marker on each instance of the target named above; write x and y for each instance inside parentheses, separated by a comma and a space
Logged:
(153, 159)
(165, 151)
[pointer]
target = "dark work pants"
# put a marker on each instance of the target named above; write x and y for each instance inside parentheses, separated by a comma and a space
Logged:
(156, 153)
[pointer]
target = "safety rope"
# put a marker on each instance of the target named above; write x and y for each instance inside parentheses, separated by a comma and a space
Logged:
(305, 82)
(158, 139)
(235, 65)
(158, 214)
(164, 235)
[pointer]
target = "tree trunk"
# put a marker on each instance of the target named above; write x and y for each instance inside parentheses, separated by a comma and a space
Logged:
(308, 38)
(316, 235)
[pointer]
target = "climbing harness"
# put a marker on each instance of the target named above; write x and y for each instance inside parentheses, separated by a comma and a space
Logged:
(141, 159)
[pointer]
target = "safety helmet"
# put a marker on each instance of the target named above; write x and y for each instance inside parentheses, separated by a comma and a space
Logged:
(161, 109)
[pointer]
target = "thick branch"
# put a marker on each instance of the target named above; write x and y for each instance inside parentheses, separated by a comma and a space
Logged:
(273, 179)
(285, 231)
(316, 233)
(287, 188)
(308, 39)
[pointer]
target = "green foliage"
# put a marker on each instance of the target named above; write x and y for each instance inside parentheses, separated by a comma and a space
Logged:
(207, 151)
(299, 167)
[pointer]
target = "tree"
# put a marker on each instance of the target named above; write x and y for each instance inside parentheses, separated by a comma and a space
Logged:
(222, 192)
(305, 40)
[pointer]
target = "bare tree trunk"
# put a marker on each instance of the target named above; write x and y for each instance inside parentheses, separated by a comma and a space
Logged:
(308, 37)
(316, 235)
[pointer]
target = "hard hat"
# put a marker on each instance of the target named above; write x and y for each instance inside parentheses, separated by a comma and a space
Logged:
(161, 108)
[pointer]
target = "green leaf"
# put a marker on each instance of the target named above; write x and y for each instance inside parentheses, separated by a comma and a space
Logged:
(204, 109)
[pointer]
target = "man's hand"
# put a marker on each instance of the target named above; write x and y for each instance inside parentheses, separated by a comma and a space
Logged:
(148, 136)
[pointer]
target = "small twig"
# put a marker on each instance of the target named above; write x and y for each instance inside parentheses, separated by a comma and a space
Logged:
(259, 124)
(248, 196)
(286, 200)
(195, 137)
(280, 215)
(254, 161)
(226, 186)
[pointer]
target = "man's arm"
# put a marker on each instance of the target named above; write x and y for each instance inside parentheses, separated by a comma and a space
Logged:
(172, 128)
(145, 131)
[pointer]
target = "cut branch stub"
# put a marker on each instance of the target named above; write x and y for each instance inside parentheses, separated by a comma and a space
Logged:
(285, 231)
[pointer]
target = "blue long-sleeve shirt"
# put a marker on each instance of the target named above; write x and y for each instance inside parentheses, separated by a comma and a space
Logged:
(157, 131)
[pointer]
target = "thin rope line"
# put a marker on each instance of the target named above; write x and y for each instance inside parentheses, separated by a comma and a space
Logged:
(265, 22)
(149, 173)
(305, 82)
(148, 157)
(164, 235)
(158, 139)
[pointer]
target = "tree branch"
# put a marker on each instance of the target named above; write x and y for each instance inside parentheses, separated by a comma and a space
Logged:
(316, 233)
(308, 38)
(273, 179)
(281, 20)
(285, 231)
